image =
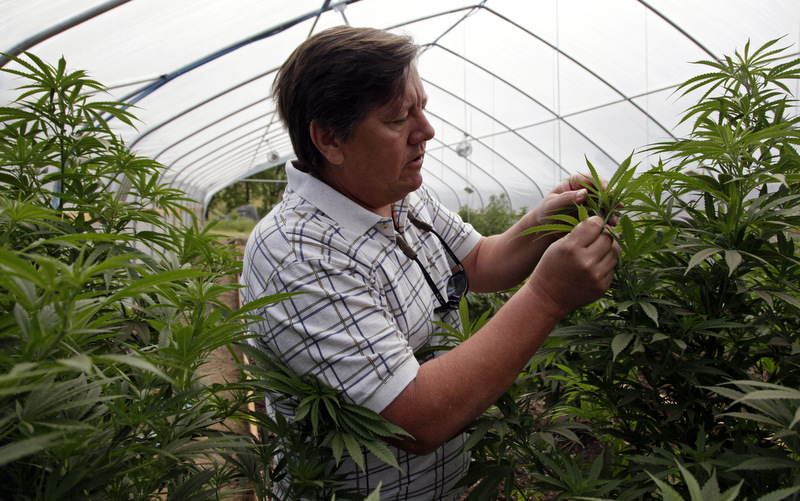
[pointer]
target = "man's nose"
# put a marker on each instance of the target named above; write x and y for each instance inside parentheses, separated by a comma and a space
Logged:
(424, 130)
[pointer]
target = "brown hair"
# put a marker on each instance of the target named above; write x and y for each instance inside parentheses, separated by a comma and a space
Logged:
(336, 77)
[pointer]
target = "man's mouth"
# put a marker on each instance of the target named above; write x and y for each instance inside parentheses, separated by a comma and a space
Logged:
(417, 161)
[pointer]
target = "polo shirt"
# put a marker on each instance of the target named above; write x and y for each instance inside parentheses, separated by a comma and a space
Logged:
(365, 309)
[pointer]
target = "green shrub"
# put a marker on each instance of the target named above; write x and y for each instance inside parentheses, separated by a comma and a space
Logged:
(688, 368)
(107, 311)
(235, 225)
(495, 218)
(110, 306)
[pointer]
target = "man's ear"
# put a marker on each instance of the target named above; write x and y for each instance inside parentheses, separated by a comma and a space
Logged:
(326, 143)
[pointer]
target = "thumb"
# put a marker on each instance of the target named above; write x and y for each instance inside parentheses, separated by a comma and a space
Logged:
(586, 231)
(569, 198)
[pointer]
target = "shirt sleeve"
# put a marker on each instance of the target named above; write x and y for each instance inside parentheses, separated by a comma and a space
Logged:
(459, 235)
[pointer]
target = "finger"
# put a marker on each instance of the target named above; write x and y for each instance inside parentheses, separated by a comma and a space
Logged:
(556, 203)
(587, 231)
(582, 179)
(605, 248)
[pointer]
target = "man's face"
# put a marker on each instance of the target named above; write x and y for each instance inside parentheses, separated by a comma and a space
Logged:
(382, 161)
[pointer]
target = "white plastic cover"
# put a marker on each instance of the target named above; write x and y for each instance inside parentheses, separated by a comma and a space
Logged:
(534, 88)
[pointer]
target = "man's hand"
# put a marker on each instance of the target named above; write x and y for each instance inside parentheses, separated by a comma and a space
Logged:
(567, 194)
(577, 269)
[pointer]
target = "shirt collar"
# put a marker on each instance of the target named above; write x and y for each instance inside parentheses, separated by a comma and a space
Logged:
(338, 207)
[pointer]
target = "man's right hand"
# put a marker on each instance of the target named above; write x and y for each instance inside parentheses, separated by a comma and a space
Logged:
(577, 269)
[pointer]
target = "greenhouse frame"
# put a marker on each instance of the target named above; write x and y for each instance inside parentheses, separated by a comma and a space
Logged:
(521, 94)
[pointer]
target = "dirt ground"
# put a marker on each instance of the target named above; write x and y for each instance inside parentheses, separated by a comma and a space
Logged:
(221, 365)
(221, 368)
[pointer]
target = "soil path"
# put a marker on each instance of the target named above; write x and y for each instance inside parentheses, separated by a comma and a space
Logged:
(221, 368)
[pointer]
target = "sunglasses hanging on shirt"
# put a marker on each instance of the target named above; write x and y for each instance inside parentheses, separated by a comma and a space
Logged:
(458, 284)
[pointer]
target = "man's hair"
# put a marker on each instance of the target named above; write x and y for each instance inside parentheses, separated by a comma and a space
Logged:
(336, 77)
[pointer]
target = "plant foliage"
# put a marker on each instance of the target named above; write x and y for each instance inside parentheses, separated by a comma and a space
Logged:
(110, 306)
(107, 310)
(685, 373)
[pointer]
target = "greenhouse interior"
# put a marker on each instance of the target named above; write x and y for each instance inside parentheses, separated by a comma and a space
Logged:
(135, 133)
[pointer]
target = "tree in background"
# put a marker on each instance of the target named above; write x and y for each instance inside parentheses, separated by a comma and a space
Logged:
(263, 196)
(493, 219)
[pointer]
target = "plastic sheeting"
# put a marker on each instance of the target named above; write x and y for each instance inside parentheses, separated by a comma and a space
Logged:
(521, 93)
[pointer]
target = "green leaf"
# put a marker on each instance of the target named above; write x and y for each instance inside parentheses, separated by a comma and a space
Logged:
(381, 450)
(375, 495)
(731, 493)
(650, 310)
(20, 449)
(765, 463)
(668, 493)
(779, 494)
(733, 259)
(354, 449)
(548, 229)
(694, 487)
(150, 283)
(619, 343)
(132, 361)
(699, 257)
(336, 443)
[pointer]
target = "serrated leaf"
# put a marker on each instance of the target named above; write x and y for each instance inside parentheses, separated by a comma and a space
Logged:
(694, 487)
(477, 434)
(375, 495)
(700, 257)
(651, 311)
(779, 494)
(583, 213)
(667, 492)
(619, 343)
(547, 229)
(751, 416)
(794, 301)
(765, 463)
(731, 493)
(354, 449)
(733, 259)
(21, 448)
(337, 447)
(381, 450)
(22, 319)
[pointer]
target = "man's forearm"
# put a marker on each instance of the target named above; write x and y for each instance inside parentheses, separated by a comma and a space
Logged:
(452, 390)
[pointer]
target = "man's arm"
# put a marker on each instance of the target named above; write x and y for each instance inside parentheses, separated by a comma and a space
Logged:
(452, 390)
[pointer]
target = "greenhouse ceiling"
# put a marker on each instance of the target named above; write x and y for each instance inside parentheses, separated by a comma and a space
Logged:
(521, 92)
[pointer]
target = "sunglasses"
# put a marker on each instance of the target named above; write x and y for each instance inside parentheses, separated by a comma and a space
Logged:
(458, 284)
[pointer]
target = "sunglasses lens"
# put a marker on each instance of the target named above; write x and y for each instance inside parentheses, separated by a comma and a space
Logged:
(456, 287)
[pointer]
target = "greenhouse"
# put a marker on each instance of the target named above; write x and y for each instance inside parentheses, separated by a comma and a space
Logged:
(134, 131)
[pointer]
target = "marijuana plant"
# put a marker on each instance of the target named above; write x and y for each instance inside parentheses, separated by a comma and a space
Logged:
(705, 300)
(100, 342)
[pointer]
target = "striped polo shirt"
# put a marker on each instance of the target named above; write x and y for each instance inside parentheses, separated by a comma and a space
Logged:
(365, 309)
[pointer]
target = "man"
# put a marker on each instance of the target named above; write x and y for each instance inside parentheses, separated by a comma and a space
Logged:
(373, 254)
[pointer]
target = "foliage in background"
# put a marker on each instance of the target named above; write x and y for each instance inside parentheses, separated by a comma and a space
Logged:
(496, 217)
(686, 373)
(235, 226)
(252, 190)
